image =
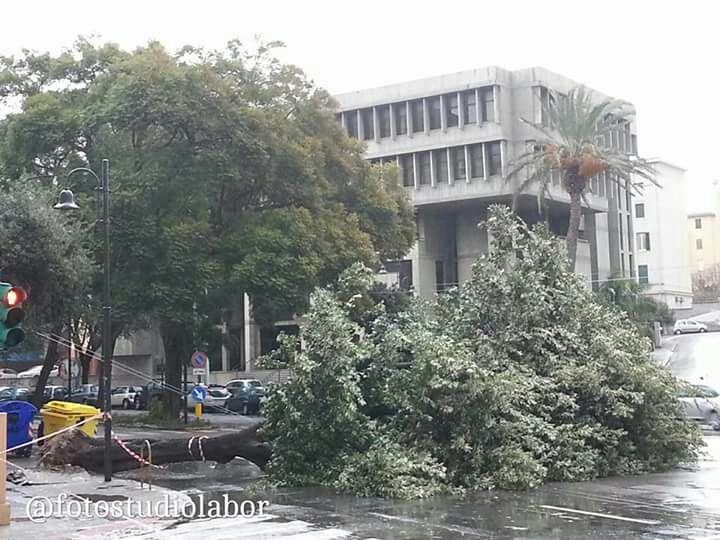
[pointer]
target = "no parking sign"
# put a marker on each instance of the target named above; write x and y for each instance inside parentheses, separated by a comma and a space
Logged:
(199, 363)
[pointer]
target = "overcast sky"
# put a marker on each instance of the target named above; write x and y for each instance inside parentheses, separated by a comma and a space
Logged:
(660, 55)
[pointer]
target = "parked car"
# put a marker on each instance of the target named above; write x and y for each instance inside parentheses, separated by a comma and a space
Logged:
(147, 393)
(248, 396)
(35, 372)
(688, 326)
(7, 373)
(124, 396)
(16, 394)
(701, 404)
(54, 393)
(217, 395)
(86, 394)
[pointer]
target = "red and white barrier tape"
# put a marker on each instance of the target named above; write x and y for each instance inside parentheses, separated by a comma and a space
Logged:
(132, 454)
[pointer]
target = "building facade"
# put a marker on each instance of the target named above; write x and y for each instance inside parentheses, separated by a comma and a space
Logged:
(661, 239)
(704, 241)
(454, 138)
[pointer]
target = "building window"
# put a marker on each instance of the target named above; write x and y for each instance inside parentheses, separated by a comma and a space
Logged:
(469, 107)
(640, 210)
(368, 124)
(458, 162)
(622, 235)
(643, 241)
(698, 223)
(383, 114)
(351, 123)
(404, 271)
(452, 112)
(494, 157)
(488, 104)
(423, 163)
(632, 266)
(476, 161)
(400, 113)
(418, 116)
(643, 273)
(441, 166)
(546, 100)
(406, 165)
(435, 116)
(698, 243)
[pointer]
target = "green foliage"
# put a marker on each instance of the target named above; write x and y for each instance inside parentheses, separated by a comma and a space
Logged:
(643, 311)
(229, 173)
(519, 378)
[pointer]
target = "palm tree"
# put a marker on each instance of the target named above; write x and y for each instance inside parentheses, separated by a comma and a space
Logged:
(572, 142)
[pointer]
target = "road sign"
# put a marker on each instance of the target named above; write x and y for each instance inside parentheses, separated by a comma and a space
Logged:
(197, 371)
(199, 394)
(199, 360)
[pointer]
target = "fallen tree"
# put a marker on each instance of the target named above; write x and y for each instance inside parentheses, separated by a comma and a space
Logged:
(76, 448)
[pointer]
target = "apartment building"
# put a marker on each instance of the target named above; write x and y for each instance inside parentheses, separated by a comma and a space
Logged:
(454, 137)
(703, 240)
(661, 238)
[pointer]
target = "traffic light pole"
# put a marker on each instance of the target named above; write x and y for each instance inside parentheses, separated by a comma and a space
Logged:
(107, 316)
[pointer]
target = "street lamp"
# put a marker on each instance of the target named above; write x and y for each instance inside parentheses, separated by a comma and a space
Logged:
(66, 201)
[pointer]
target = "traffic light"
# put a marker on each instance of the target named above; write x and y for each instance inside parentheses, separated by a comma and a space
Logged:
(11, 315)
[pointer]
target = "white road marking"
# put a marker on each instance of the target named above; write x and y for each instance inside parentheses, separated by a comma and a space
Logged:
(597, 514)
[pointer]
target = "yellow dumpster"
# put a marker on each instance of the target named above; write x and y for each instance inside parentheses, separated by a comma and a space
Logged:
(57, 415)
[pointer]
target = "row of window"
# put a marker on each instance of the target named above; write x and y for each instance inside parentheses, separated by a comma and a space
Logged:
(473, 106)
(444, 165)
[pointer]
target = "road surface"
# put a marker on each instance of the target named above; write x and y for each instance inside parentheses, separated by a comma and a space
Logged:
(695, 358)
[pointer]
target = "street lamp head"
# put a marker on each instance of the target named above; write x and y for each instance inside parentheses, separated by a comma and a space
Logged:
(66, 201)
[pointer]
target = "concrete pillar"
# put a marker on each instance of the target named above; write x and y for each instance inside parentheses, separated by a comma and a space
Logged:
(496, 104)
(408, 115)
(443, 115)
(393, 127)
(426, 116)
(342, 120)
(433, 180)
(376, 127)
(461, 111)
(449, 167)
(478, 115)
(360, 126)
(415, 171)
(502, 158)
(4, 505)
(467, 161)
(247, 349)
(485, 169)
(223, 350)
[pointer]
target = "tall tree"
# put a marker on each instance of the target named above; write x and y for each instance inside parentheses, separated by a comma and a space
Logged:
(574, 140)
(229, 171)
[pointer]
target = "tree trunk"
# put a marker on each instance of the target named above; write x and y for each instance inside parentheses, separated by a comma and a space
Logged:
(573, 227)
(76, 448)
(177, 341)
(51, 358)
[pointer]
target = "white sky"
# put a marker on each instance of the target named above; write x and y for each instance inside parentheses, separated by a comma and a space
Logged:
(660, 55)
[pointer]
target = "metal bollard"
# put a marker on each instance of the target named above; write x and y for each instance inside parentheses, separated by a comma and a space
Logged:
(4, 506)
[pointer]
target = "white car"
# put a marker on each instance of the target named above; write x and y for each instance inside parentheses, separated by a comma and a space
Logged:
(215, 400)
(701, 404)
(124, 396)
(35, 372)
(688, 326)
(7, 373)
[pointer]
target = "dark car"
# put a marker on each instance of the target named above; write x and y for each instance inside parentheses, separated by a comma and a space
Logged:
(248, 396)
(54, 393)
(15, 394)
(147, 394)
(87, 394)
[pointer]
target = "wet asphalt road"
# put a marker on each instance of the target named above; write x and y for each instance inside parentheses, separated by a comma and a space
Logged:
(696, 357)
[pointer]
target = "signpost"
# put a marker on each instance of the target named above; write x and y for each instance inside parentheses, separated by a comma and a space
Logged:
(199, 394)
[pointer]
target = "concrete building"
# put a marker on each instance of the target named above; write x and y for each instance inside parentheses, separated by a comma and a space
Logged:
(661, 239)
(704, 240)
(453, 137)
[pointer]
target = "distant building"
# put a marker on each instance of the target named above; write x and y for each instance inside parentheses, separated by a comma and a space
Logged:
(704, 241)
(661, 240)
(453, 137)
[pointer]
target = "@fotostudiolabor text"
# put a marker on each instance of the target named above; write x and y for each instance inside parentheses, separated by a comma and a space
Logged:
(40, 509)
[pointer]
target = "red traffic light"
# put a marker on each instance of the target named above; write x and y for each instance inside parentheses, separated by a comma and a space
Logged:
(14, 297)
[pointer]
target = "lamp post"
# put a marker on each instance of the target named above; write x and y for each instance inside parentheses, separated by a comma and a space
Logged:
(67, 202)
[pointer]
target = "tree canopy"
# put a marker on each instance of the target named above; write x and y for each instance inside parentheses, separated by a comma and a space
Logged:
(228, 171)
(518, 378)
